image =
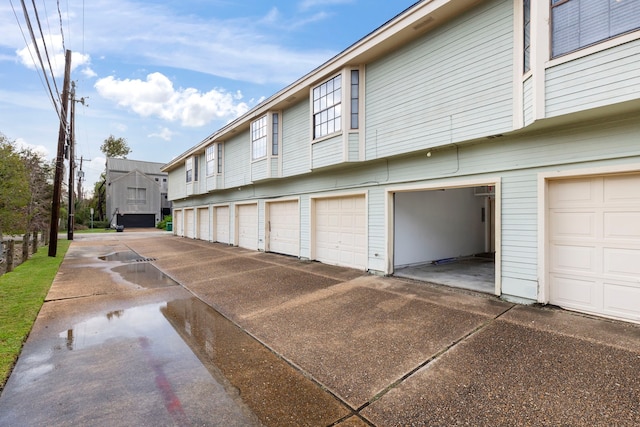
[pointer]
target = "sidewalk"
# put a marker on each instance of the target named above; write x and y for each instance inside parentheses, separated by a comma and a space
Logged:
(250, 338)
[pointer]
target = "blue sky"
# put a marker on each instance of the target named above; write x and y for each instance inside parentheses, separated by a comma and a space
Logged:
(165, 74)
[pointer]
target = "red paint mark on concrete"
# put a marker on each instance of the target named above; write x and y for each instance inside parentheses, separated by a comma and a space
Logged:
(171, 400)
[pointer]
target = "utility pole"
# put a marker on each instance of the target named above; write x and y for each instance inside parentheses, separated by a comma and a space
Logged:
(72, 162)
(57, 183)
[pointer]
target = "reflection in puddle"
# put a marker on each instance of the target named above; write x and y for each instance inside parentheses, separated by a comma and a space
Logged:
(127, 256)
(251, 374)
(144, 275)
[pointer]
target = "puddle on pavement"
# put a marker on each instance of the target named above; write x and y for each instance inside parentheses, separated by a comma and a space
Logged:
(251, 375)
(144, 275)
(137, 270)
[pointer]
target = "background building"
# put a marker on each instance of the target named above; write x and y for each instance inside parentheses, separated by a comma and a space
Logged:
(136, 193)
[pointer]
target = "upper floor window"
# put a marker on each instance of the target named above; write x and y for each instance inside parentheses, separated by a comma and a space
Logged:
(327, 107)
(275, 133)
(526, 5)
(355, 98)
(259, 138)
(210, 155)
(580, 23)
(136, 196)
(196, 163)
(189, 169)
(219, 158)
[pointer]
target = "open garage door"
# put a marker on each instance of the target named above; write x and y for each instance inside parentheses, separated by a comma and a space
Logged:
(247, 226)
(594, 245)
(341, 231)
(221, 224)
(203, 223)
(283, 227)
(446, 236)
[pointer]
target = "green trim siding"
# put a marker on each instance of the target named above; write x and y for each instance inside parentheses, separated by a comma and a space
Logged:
(451, 85)
(604, 78)
(296, 142)
(327, 152)
(237, 161)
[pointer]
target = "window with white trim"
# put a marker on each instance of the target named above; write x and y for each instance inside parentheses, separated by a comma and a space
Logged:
(259, 138)
(327, 107)
(210, 154)
(220, 158)
(188, 166)
(196, 163)
(577, 24)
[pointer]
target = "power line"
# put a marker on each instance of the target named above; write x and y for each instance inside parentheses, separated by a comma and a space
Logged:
(46, 51)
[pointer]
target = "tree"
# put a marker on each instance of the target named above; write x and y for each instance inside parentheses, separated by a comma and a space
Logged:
(15, 193)
(40, 178)
(115, 147)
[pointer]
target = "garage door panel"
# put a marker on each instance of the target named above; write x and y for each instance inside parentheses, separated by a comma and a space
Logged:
(573, 192)
(621, 300)
(622, 189)
(222, 224)
(622, 262)
(594, 245)
(248, 226)
(178, 223)
(573, 224)
(284, 227)
(203, 223)
(574, 292)
(188, 223)
(622, 225)
(573, 258)
(340, 235)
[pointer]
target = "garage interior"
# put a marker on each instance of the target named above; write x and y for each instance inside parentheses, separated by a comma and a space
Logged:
(446, 236)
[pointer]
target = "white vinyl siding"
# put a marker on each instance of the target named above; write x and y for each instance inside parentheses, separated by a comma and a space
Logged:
(296, 151)
(259, 169)
(606, 77)
(451, 85)
(528, 101)
(327, 152)
(237, 161)
(176, 185)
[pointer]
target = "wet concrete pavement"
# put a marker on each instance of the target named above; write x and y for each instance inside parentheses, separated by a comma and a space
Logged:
(151, 329)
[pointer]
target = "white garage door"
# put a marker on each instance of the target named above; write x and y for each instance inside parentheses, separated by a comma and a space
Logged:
(188, 223)
(177, 223)
(247, 226)
(203, 223)
(594, 248)
(284, 227)
(221, 214)
(341, 233)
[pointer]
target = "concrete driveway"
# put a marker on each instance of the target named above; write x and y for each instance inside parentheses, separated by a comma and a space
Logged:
(152, 329)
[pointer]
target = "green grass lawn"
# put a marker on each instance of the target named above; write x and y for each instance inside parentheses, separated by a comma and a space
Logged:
(22, 293)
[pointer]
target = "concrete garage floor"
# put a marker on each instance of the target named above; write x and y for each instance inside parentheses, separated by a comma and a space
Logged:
(473, 273)
(233, 337)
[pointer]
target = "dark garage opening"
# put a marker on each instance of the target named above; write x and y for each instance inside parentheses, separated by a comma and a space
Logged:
(137, 220)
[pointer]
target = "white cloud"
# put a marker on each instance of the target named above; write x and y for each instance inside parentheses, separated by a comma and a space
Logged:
(56, 56)
(89, 73)
(22, 144)
(165, 133)
(157, 97)
(307, 4)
